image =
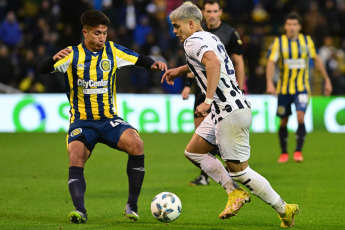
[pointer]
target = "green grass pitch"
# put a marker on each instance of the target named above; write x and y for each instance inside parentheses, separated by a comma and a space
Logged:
(34, 191)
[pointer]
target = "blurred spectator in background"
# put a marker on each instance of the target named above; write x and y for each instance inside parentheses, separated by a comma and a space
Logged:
(3, 5)
(10, 32)
(28, 81)
(128, 21)
(155, 79)
(333, 70)
(142, 30)
(143, 24)
(6, 67)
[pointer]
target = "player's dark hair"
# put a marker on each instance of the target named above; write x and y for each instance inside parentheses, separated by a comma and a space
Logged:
(293, 15)
(93, 18)
(210, 2)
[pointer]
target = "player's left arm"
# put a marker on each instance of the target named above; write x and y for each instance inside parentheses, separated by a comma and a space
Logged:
(236, 55)
(47, 65)
(212, 64)
(239, 69)
(149, 63)
(320, 67)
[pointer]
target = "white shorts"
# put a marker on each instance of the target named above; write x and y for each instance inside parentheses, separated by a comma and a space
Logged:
(231, 134)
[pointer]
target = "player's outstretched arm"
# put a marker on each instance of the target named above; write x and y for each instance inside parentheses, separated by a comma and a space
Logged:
(159, 66)
(170, 75)
(61, 54)
(47, 65)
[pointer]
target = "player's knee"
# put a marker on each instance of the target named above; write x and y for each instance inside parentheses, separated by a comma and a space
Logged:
(194, 157)
(136, 147)
(77, 157)
(77, 150)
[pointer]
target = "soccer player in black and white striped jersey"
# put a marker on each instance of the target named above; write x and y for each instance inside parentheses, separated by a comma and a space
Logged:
(228, 123)
(212, 13)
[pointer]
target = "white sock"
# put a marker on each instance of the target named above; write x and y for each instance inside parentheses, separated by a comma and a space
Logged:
(260, 187)
(213, 168)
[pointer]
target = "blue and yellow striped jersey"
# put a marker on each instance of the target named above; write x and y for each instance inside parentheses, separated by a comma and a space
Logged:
(90, 79)
(293, 56)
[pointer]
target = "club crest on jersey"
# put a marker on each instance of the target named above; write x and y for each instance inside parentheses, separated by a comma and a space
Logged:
(281, 110)
(105, 65)
(76, 132)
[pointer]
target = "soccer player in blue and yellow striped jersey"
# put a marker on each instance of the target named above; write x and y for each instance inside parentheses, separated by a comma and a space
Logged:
(90, 75)
(292, 51)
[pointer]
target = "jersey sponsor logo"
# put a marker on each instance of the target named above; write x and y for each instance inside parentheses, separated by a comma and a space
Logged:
(91, 83)
(295, 63)
(201, 48)
(80, 65)
(76, 132)
(104, 65)
(95, 91)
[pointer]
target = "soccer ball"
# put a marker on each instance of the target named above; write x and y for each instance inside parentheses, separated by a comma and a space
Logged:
(166, 207)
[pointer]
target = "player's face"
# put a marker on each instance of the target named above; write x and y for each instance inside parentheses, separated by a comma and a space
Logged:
(212, 14)
(95, 37)
(292, 28)
(182, 29)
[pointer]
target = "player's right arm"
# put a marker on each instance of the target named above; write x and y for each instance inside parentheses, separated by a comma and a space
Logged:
(48, 65)
(272, 58)
(270, 88)
(170, 75)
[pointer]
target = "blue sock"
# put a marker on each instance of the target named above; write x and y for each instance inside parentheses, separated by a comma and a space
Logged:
(283, 136)
(135, 173)
(77, 187)
(300, 136)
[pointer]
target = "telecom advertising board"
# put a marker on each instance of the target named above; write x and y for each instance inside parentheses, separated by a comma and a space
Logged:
(160, 113)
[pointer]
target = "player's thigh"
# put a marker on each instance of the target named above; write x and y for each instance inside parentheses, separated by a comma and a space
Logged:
(284, 105)
(131, 143)
(197, 121)
(81, 141)
(301, 102)
(233, 136)
(204, 137)
(119, 134)
(84, 132)
(78, 153)
(198, 145)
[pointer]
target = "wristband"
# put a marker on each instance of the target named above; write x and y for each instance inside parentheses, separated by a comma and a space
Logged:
(208, 101)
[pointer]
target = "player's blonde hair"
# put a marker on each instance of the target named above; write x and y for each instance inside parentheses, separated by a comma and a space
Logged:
(186, 11)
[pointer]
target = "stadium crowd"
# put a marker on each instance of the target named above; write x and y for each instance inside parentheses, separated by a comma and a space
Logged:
(31, 30)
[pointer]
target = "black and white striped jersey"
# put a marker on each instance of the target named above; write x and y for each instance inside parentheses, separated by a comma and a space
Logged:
(228, 97)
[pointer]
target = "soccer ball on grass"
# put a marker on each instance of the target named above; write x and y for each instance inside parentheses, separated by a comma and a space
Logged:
(166, 207)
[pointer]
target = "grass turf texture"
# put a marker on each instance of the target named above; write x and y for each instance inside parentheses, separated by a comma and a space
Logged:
(34, 190)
